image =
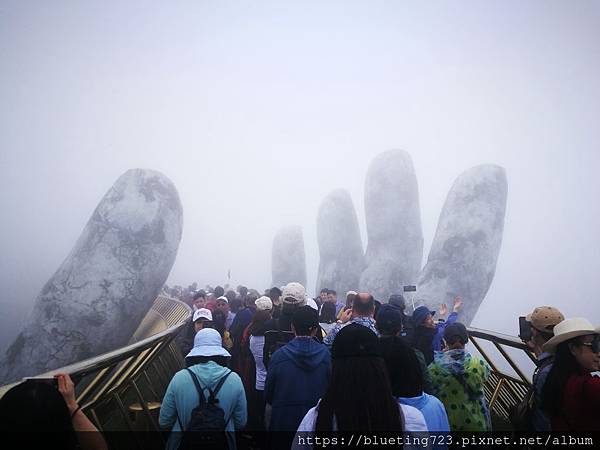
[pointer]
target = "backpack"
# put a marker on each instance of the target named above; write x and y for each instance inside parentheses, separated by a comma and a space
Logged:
(206, 428)
(521, 414)
(274, 340)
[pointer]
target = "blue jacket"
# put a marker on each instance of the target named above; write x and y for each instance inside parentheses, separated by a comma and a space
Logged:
(434, 412)
(439, 331)
(540, 420)
(181, 397)
(297, 377)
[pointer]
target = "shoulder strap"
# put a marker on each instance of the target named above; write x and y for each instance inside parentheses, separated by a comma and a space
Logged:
(198, 387)
(213, 394)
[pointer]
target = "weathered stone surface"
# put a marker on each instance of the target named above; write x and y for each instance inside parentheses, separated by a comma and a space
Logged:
(395, 237)
(100, 293)
(340, 246)
(288, 257)
(464, 252)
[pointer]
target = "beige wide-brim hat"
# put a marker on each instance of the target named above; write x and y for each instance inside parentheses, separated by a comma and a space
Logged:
(569, 329)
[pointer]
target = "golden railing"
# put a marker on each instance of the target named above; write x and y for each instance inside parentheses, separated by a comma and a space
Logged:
(510, 376)
(122, 390)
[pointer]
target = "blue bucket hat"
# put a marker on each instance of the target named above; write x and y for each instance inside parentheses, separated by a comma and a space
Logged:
(208, 342)
(420, 314)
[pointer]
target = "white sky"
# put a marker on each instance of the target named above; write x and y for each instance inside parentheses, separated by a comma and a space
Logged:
(256, 110)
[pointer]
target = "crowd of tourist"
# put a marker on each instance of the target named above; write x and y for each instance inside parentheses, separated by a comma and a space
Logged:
(283, 363)
(355, 364)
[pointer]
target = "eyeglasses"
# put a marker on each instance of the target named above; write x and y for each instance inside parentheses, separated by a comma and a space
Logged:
(595, 345)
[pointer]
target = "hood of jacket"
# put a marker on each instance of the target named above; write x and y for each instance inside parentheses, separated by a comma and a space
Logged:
(454, 362)
(416, 402)
(305, 352)
(208, 373)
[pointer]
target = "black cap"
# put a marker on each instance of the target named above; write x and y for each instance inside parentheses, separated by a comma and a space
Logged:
(456, 330)
(355, 340)
(389, 318)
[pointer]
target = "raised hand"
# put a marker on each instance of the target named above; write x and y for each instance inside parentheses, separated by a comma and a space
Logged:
(457, 304)
(443, 309)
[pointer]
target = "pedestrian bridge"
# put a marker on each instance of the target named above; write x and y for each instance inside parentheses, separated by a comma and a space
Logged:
(122, 390)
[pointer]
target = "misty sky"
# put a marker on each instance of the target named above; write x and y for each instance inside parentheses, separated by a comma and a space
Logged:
(256, 110)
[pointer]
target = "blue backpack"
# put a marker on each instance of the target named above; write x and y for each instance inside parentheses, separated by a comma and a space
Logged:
(206, 428)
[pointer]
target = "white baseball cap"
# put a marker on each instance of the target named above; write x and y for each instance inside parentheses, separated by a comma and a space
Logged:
(263, 303)
(202, 313)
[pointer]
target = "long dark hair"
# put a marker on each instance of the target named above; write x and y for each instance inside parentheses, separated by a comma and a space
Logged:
(360, 397)
(563, 367)
(404, 370)
(259, 320)
(35, 406)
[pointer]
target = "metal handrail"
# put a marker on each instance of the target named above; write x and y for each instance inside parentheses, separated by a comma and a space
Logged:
(133, 379)
(122, 376)
(503, 390)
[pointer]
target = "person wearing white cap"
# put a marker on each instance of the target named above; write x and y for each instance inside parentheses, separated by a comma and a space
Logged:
(202, 318)
(571, 395)
(223, 304)
(208, 361)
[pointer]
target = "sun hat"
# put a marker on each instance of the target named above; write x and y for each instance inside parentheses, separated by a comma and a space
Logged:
(223, 298)
(208, 342)
(545, 318)
(569, 329)
(355, 340)
(294, 294)
(202, 313)
(420, 314)
(263, 303)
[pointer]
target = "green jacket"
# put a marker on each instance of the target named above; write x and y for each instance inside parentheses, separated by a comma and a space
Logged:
(458, 378)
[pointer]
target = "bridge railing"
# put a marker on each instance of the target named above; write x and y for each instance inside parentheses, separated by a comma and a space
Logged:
(122, 390)
(512, 364)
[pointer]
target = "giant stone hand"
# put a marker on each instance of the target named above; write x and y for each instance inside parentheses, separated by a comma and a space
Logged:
(463, 256)
(100, 293)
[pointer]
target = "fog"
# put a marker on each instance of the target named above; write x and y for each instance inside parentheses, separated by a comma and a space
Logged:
(257, 110)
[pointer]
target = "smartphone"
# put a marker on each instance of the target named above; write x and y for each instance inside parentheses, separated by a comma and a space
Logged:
(410, 288)
(524, 329)
(48, 380)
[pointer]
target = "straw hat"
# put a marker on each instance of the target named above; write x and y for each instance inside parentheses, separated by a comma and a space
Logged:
(569, 329)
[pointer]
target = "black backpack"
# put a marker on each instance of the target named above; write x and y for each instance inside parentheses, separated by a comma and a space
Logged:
(206, 428)
(274, 340)
(521, 414)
